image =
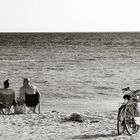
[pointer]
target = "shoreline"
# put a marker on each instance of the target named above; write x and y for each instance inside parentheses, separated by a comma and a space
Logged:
(81, 105)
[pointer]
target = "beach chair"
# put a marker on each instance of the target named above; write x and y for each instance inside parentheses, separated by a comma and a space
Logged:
(6, 103)
(32, 102)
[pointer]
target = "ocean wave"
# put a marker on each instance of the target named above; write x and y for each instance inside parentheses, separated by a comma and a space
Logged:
(13, 61)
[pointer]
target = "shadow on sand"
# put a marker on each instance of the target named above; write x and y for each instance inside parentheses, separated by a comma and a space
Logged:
(94, 136)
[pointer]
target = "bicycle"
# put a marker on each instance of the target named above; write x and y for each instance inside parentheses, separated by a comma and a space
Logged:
(127, 113)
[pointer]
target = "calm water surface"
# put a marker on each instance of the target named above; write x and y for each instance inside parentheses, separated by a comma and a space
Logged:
(72, 65)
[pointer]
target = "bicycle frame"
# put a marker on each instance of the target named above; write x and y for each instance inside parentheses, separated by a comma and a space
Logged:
(127, 113)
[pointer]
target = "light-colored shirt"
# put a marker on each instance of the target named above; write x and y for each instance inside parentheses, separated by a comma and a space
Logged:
(29, 89)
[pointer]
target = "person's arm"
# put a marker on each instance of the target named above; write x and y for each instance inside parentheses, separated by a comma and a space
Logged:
(22, 94)
(13, 94)
(14, 98)
(37, 92)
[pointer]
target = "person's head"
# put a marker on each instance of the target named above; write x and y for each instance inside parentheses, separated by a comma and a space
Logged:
(6, 83)
(26, 81)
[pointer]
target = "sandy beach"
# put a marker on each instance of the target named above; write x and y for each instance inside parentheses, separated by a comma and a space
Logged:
(99, 122)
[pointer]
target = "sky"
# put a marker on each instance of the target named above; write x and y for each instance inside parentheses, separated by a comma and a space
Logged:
(69, 15)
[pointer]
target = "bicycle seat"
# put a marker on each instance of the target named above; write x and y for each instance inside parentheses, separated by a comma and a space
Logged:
(126, 96)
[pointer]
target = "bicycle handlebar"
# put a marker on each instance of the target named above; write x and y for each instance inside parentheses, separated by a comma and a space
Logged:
(128, 89)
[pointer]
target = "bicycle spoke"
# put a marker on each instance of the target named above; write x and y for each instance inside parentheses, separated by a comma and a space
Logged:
(130, 113)
(121, 122)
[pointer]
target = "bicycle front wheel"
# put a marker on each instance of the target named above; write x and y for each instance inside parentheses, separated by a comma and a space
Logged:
(130, 113)
(120, 120)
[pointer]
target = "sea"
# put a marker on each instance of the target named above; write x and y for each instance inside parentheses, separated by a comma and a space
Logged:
(72, 65)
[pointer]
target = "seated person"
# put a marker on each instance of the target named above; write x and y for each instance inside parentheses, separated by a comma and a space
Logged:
(7, 96)
(28, 89)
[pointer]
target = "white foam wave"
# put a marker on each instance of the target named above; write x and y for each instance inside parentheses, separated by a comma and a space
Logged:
(15, 61)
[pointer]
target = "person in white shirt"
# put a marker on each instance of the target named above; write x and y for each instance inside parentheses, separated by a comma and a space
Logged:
(28, 89)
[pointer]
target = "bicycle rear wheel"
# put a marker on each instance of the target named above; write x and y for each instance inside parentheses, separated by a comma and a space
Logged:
(130, 113)
(120, 120)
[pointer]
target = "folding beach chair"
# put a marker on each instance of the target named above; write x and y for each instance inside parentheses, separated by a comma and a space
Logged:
(32, 101)
(6, 103)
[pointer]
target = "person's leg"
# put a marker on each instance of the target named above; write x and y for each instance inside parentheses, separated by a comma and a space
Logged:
(38, 108)
(33, 109)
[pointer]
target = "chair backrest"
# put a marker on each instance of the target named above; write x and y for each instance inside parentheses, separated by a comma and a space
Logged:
(31, 100)
(7, 99)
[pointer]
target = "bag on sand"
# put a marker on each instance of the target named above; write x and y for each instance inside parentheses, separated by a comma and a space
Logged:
(20, 106)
